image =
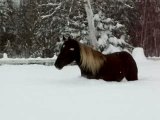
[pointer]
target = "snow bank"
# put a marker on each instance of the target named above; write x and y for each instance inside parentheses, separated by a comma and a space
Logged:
(138, 55)
(5, 56)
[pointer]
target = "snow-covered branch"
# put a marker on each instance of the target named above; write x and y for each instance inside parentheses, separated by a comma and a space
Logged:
(128, 6)
(49, 15)
(49, 4)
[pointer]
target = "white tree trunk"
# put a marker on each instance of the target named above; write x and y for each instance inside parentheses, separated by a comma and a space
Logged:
(91, 26)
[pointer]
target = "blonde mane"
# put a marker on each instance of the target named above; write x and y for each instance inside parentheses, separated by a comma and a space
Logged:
(90, 59)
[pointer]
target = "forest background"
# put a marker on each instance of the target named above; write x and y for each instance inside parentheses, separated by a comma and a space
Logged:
(35, 28)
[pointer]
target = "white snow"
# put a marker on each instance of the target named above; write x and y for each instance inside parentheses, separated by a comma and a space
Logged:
(107, 20)
(5, 56)
(111, 49)
(37, 92)
(138, 54)
(118, 25)
(102, 40)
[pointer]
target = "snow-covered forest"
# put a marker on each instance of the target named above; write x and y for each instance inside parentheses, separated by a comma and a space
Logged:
(34, 28)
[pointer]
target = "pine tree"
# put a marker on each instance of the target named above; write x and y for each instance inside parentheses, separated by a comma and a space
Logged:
(112, 36)
(7, 26)
(124, 11)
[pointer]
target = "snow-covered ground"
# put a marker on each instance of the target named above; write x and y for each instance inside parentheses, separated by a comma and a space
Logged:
(37, 92)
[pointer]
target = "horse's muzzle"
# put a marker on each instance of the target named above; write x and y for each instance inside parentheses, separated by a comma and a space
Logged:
(58, 66)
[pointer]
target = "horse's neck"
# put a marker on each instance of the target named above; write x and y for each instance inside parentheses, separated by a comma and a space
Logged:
(78, 58)
(91, 61)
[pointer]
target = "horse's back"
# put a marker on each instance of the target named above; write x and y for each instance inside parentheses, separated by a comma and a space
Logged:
(119, 65)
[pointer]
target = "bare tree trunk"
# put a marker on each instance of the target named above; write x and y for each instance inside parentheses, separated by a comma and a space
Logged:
(144, 22)
(70, 12)
(91, 26)
(155, 41)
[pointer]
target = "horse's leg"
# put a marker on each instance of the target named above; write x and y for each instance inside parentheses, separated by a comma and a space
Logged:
(87, 75)
(131, 73)
(131, 76)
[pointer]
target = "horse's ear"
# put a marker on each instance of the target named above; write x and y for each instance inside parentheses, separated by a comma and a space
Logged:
(64, 39)
(69, 38)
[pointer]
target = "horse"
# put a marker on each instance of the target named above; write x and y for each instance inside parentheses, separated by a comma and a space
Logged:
(95, 65)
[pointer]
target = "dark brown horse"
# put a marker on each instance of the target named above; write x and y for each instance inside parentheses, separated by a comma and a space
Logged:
(95, 65)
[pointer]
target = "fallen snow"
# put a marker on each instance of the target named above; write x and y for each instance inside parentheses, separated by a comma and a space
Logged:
(138, 54)
(37, 92)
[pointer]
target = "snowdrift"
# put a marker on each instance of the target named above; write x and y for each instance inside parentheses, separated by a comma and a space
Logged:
(138, 55)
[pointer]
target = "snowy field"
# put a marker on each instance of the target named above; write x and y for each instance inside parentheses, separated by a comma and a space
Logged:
(37, 92)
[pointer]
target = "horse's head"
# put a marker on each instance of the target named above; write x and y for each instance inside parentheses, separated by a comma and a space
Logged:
(68, 53)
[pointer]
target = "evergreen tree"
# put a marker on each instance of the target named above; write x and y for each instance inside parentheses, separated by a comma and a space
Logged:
(7, 26)
(123, 11)
(116, 36)
(112, 36)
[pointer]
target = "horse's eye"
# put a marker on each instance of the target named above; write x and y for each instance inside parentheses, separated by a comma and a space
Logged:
(72, 49)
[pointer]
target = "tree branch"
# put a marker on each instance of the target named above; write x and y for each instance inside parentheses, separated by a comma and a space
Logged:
(49, 15)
